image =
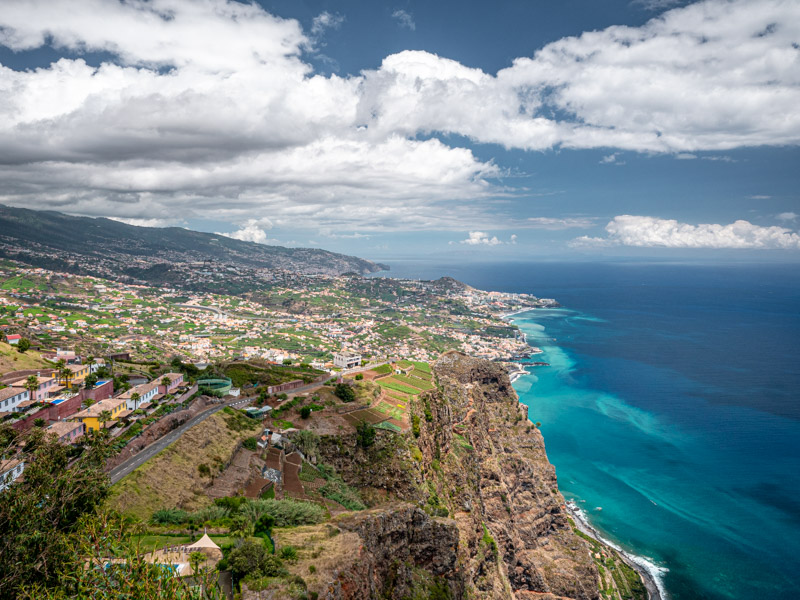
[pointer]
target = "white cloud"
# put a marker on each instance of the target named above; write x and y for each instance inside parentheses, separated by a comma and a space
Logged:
(254, 230)
(685, 156)
(513, 238)
(480, 238)
(759, 197)
(170, 126)
(788, 216)
(555, 224)
(147, 222)
(639, 231)
(325, 20)
(404, 18)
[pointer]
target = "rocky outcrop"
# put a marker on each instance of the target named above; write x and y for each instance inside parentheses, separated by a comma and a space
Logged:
(478, 461)
(396, 544)
(503, 491)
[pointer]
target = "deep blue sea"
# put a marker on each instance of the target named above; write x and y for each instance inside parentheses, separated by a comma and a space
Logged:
(671, 410)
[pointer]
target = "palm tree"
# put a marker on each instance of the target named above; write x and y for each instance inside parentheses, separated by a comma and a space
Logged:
(166, 381)
(104, 417)
(135, 397)
(32, 385)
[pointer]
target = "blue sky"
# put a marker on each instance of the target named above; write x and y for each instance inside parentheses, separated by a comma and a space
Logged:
(517, 130)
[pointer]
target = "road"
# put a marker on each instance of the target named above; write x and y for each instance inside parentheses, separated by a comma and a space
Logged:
(173, 436)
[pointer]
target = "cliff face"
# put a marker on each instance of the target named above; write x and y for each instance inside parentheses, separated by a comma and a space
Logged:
(479, 469)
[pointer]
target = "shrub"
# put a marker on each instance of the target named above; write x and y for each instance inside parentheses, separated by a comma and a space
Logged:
(204, 470)
(289, 553)
(365, 434)
(344, 392)
(415, 425)
(359, 377)
(232, 503)
(169, 516)
(305, 412)
(252, 559)
(287, 513)
(250, 443)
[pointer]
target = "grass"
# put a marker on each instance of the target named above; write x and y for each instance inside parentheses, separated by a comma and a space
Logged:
(382, 370)
(171, 477)
(399, 387)
(11, 360)
(422, 384)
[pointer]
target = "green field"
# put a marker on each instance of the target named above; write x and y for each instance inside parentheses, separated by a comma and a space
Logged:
(391, 384)
(422, 384)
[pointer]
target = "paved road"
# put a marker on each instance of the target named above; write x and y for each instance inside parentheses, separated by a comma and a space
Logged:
(150, 451)
(137, 460)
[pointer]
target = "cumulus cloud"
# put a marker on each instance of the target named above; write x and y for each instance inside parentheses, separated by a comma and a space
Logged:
(404, 18)
(639, 231)
(254, 230)
(480, 238)
(171, 126)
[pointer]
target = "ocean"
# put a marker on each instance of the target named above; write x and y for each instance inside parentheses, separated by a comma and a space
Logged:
(670, 410)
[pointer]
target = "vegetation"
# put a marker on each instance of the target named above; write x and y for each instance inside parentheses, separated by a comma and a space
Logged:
(344, 392)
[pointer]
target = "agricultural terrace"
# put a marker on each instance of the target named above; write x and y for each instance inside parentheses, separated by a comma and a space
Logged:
(400, 383)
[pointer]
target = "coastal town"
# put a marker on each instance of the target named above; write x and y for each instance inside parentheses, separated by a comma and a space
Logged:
(234, 412)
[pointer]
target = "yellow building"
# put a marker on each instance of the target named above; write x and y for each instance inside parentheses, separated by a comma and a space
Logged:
(79, 372)
(91, 416)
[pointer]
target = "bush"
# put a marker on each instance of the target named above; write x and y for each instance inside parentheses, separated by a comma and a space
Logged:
(305, 412)
(253, 559)
(204, 470)
(359, 377)
(344, 392)
(232, 503)
(365, 434)
(289, 553)
(169, 516)
(250, 443)
(415, 425)
(287, 513)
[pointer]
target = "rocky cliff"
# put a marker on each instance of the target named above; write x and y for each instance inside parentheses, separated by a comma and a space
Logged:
(488, 520)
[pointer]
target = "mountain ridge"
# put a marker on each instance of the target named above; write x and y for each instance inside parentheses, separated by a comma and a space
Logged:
(85, 244)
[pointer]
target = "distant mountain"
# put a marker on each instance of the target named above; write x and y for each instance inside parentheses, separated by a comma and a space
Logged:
(159, 255)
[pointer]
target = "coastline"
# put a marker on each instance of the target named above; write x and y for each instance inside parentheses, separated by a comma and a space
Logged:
(655, 590)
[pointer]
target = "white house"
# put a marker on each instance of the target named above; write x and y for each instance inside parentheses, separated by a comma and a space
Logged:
(146, 391)
(9, 471)
(10, 398)
(346, 360)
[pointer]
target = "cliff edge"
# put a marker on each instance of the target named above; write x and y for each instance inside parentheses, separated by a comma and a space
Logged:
(466, 505)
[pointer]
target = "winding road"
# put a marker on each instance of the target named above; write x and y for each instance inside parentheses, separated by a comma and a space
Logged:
(137, 460)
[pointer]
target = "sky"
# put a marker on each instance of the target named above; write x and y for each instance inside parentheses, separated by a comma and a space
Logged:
(513, 130)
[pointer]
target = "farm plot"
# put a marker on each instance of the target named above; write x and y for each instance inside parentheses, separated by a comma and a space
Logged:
(416, 382)
(393, 384)
(366, 415)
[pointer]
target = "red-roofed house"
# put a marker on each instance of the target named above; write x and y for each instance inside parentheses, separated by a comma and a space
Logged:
(13, 339)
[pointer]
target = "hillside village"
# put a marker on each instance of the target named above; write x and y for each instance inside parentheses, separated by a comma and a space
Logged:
(237, 413)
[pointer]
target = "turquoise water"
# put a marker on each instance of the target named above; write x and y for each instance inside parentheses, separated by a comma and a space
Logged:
(670, 410)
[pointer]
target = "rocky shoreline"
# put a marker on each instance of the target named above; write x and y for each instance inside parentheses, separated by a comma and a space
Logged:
(654, 591)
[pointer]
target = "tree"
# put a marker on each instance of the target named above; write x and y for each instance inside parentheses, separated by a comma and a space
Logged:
(344, 392)
(90, 381)
(39, 422)
(23, 345)
(263, 527)
(166, 381)
(241, 527)
(305, 412)
(365, 434)
(103, 417)
(135, 397)
(32, 385)
(41, 514)
(196, 559)
(252, 558)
